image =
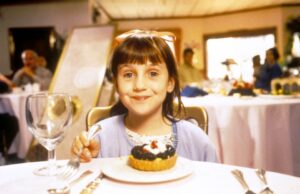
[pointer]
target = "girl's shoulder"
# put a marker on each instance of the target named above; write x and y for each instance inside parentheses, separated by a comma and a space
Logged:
(188, 124)
(112, 123)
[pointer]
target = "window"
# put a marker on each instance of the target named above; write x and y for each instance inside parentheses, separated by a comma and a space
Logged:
(239, 46)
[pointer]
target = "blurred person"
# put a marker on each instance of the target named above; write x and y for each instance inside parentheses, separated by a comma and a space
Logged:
(269, 70)
(187, 72)
(41, 61)
(6, 85)
(228, 62)
(8, 129)
(31, 72)
(256, 67)
(45, 73)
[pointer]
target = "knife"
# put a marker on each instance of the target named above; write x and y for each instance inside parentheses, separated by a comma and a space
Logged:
(91, 186)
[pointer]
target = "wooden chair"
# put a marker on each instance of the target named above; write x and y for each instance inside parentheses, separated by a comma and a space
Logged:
(96, 114)
(195, 114)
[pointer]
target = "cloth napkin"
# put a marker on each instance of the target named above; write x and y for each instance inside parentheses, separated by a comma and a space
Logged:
(190, 91)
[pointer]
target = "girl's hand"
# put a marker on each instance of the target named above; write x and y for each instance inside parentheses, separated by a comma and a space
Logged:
(90, 149)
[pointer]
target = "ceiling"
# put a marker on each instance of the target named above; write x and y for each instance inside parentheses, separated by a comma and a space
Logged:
(151, 9)
(157, 9)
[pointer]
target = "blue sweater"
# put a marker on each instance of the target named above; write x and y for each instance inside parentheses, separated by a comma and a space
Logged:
(193, 143)
(266, 75)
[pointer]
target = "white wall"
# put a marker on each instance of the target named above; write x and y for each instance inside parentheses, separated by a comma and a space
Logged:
(62, 16)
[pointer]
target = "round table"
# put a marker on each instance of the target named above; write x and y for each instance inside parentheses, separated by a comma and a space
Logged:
(205, 178)
(257, 132)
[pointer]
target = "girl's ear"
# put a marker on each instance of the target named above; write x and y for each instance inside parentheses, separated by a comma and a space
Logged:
(171, 85)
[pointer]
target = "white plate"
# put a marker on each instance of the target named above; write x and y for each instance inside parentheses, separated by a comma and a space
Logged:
(121, 171)
(278, 96)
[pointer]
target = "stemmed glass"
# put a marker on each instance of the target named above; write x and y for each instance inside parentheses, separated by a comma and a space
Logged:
(48, 116)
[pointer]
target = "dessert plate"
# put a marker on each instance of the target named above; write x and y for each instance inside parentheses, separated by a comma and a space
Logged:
(121, 171)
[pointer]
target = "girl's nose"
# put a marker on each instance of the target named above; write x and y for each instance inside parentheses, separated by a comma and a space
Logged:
(140, 83)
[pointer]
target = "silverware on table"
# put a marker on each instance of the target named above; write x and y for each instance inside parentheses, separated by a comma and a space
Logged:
(67, 186)
(240, 177)
(91, 186)
(74, 163)
(262, 177)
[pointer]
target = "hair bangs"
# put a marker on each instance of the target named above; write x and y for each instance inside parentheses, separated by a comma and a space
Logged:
(136, 51)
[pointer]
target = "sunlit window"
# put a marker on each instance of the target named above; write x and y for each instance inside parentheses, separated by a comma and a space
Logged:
(239, 48)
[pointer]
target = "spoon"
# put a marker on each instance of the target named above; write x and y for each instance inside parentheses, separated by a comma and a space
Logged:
(262, 176)
(67, 187)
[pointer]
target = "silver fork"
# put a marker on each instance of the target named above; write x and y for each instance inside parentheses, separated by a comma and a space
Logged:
(73, 164)
(240, 177)
(261, 175)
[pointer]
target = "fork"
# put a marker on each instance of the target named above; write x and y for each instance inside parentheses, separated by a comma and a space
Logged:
(261, 175)
(73, 164)
(240, 177)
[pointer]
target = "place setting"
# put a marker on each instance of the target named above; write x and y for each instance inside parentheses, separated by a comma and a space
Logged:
(48, 116)
(238, 174)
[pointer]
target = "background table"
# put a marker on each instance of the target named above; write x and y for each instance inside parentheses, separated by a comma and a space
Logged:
(14, 104)
(254, 132)
(206, 178)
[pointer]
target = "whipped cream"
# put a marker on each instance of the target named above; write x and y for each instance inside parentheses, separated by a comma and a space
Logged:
(157, 148)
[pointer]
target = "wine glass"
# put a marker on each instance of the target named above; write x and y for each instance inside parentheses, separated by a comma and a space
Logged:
(48, 116)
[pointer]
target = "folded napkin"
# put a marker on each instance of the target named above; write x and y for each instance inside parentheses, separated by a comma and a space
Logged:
(190, 91)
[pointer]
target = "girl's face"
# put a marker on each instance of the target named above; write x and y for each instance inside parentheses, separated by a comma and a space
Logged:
(143, 88)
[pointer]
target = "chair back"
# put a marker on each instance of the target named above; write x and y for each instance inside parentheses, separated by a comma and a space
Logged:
(195, 114)
(96, 114)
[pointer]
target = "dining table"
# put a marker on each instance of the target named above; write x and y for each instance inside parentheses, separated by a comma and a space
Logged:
(14, 104)
(185, 177)
(255, 132)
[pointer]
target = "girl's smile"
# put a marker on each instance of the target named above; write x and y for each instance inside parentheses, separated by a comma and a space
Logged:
(140, 98)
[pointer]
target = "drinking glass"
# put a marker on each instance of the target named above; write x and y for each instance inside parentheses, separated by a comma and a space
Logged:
(48, 116)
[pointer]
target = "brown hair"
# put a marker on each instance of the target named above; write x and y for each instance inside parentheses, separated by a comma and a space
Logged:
(138, 48)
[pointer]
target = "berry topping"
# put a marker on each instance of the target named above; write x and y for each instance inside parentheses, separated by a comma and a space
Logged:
(154, 144)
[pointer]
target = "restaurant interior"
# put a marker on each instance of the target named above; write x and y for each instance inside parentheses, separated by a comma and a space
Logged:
(248, 110)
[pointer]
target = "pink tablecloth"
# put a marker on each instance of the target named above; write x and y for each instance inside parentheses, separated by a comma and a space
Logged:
(254, 132)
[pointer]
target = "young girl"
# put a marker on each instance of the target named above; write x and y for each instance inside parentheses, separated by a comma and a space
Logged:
(146, 79)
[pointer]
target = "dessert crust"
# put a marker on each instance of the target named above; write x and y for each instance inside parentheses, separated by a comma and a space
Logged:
(155, 165)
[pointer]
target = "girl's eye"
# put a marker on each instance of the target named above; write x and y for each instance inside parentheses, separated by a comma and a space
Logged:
(153, 74)
(128, 75)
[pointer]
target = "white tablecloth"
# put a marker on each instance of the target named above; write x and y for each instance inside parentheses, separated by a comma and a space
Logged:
(14, 104)
(206, 178)
(254, 132)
